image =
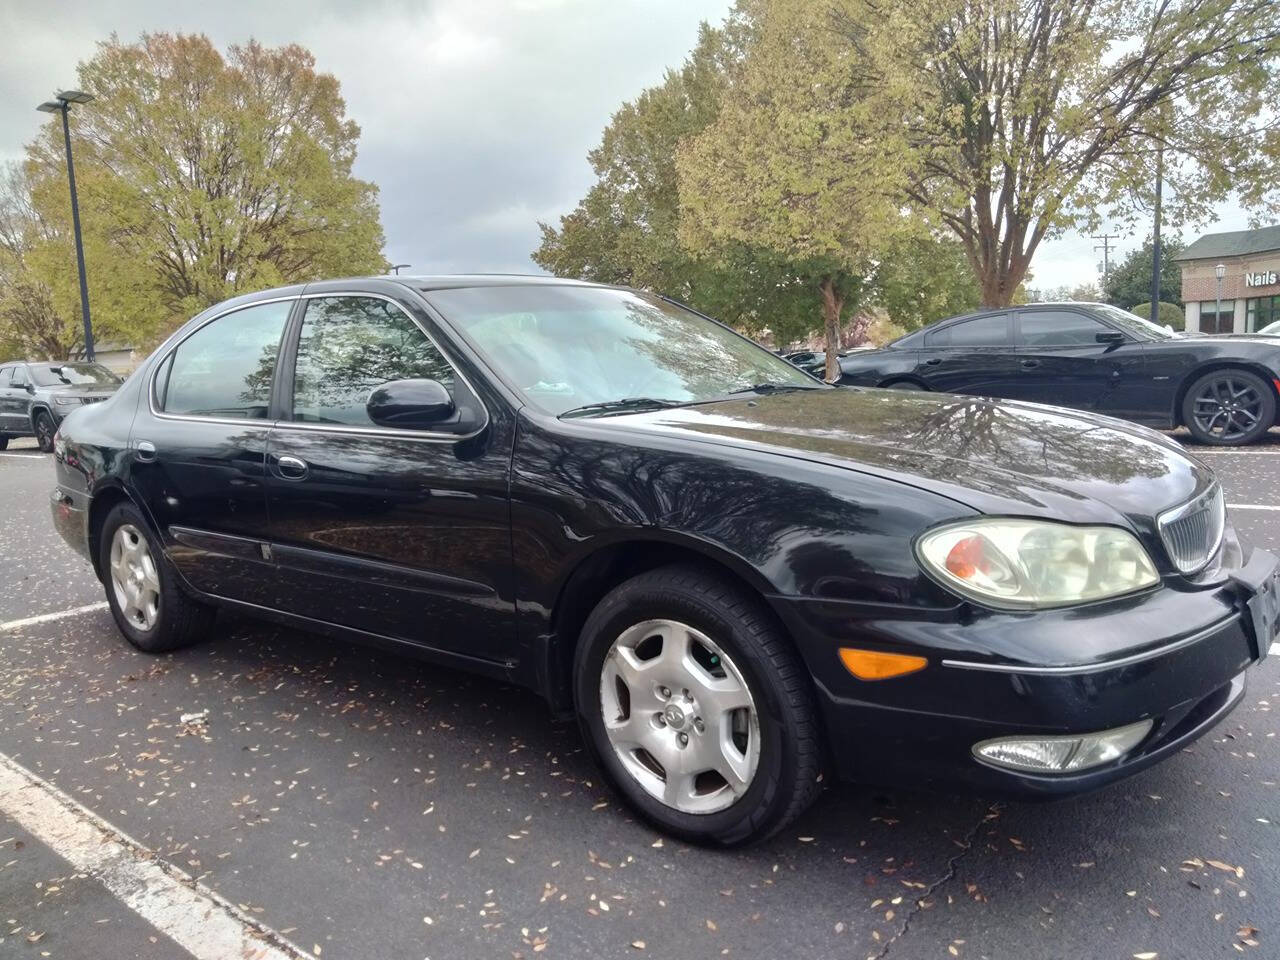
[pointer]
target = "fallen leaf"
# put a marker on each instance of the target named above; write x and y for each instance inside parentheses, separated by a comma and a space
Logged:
(638, 944)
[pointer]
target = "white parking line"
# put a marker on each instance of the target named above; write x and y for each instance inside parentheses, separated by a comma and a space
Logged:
(1252, 506)
(59, 615)
(24, 456)
(200, 921)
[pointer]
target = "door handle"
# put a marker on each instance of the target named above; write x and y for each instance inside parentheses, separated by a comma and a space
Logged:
(145, 451)
(291, 468)
(1030, 364)
(933, 361)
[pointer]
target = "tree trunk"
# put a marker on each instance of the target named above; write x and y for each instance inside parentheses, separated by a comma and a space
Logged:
(832, 304)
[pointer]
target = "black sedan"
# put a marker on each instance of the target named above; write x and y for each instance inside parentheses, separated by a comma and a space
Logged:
(1089, 356)
(735, 576)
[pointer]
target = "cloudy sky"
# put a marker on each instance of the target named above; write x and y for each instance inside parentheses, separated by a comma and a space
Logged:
(476, 115)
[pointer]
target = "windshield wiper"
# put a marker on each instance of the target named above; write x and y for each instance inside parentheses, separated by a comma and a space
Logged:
(770, 387)
(620, 406)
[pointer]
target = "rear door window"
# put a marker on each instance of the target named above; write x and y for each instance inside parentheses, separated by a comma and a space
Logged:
(225, 368)
(989, 331)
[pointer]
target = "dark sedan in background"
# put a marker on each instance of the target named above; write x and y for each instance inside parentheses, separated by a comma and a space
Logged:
(1090, 356)
(34, 397)
(735, 575)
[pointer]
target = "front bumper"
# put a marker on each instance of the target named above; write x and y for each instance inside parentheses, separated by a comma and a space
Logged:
(1177, 657)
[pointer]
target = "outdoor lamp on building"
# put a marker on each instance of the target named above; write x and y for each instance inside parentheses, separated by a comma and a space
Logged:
(1219, 271)
(61, 103)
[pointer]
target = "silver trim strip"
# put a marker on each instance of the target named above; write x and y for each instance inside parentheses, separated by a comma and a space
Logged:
(428, 436)
(1096, 667)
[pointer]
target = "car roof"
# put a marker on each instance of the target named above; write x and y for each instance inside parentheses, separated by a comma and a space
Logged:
(455, 281)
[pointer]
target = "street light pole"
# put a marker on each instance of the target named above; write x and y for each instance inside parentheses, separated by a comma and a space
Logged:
(1219, 271)
(62, 105)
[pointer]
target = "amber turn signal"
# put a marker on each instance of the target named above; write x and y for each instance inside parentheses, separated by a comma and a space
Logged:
(876, 665)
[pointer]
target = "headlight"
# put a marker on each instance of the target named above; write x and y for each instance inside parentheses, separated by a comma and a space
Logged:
(1018, 564)
(67, 401)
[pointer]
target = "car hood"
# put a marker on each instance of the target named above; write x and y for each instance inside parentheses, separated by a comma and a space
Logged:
(995, 456)
(80, 390)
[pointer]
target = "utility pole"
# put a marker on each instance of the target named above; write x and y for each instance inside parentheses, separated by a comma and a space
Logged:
(1105, 246)
(1155, 237)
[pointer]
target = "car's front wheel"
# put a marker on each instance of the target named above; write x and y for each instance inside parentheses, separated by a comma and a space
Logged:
(45, 431)
(1229, 407)
(697, 707)
(149, 607)
(4, 442)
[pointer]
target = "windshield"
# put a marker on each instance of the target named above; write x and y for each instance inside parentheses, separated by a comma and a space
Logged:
(73, 374)
(1132, 323)
(565, 347)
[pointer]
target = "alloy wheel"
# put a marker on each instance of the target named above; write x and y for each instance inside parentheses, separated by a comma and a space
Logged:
(1227, 408)
(680, 716)
(134, 578)
(44, 433)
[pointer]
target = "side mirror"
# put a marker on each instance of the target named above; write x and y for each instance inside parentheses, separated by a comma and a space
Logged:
(410, 404)
(1110, 336)
(29, 387)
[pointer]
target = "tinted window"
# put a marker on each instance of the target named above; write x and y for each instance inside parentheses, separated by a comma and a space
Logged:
(990, 331)
(224, 369)
(1059, 328)
(351, 345)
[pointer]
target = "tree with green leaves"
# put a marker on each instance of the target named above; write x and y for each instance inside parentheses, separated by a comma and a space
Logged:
(921, 278)
(787, 166)
(201, 176)
(31, 323)
(626, 229)
(1129, 282)
(1018, 119)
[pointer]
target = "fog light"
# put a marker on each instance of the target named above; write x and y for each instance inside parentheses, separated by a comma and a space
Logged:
(1062, 754)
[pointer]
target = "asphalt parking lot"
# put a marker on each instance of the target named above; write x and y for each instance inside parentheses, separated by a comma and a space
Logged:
(346, 803)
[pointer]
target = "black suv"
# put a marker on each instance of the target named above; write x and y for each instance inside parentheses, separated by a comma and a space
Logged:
(34, 397)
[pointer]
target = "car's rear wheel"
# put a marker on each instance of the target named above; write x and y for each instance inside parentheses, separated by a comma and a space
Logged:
(45, 431)
(149, 607)
(697, 707)
(1229, 407)
(4, 442)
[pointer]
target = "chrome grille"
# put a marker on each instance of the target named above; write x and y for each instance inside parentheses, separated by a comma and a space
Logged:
(1193, 531)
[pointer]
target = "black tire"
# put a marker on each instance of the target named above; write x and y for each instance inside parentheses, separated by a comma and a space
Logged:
(904, 385)
(4, 441)
(44, 431)
(788, 774)
(180, 620)
(1229, 407)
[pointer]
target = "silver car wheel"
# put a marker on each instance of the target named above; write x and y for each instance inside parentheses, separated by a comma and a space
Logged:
(679, 716)
(134, 578)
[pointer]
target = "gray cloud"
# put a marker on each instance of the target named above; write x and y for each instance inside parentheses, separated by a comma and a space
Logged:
(476, 115)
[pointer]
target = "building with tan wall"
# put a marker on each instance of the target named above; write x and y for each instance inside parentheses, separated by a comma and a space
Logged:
(1250, 287)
